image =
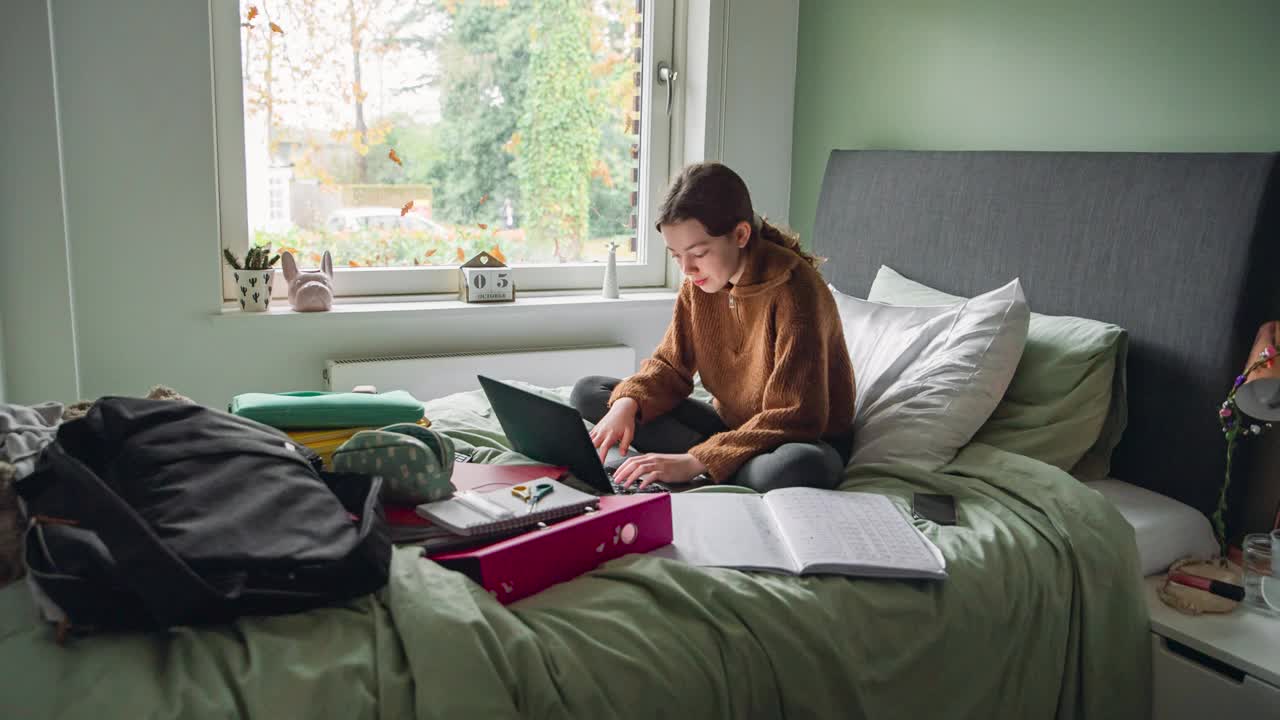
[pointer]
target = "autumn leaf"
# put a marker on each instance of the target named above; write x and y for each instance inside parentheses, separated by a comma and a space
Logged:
(497, 252)
(461, 257)
(253, 12)
(601, 172)
(482, 200)
(407, 207)
(276, 28)
(431, 252)
(482, 226)
(353, 263)
(394, 157)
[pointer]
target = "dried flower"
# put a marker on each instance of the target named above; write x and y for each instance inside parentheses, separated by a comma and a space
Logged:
(1233, 429)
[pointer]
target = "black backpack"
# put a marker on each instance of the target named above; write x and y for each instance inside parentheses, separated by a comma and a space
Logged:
(147, 514)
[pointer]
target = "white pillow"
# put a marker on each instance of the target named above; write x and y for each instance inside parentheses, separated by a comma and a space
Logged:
(928, 377)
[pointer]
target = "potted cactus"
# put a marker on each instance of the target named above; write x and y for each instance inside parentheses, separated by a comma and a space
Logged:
(253, 277)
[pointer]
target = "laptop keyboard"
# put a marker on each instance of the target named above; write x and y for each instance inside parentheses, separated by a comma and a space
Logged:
(635, 487)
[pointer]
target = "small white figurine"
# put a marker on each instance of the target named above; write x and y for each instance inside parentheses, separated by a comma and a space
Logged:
(611, 273)
(309, 290)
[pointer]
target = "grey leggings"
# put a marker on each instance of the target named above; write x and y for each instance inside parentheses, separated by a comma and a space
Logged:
(819, 464)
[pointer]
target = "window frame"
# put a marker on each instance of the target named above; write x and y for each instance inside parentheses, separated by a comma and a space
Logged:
(659, 141)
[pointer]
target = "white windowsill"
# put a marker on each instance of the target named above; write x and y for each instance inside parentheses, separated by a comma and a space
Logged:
(434, 304)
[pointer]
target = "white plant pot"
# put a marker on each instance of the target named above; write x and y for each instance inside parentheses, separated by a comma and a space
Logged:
(253, 288)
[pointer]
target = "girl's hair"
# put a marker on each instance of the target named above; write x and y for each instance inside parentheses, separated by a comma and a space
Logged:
(715, 196)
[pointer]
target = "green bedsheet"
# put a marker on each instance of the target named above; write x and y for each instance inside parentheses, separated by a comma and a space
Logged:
(1041, 617)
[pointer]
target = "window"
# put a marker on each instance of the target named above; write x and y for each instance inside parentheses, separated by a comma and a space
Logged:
(404, 136)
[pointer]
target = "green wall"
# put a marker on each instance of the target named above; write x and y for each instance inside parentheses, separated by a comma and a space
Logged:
(1142, 75)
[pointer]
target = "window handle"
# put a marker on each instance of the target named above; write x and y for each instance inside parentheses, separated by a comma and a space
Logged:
(667, 76)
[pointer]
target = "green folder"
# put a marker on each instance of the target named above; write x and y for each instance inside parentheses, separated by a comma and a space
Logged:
(315, 410)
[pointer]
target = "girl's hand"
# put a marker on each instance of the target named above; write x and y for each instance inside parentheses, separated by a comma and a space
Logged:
(655, 467)
(617, 427)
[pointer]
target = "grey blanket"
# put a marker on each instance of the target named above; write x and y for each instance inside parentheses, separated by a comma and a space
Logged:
(25, 431)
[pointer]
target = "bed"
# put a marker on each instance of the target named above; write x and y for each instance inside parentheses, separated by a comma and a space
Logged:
(1042, 615)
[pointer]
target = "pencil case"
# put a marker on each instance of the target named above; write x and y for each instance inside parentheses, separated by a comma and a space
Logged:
(316, 410)
(415, 462)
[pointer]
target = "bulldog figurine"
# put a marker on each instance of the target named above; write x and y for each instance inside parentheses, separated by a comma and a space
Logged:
(309, 290)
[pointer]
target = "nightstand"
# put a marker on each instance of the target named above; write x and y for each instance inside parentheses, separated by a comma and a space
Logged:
(1215, 666)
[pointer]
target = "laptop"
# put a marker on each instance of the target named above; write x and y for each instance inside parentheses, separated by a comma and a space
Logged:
(553, 433)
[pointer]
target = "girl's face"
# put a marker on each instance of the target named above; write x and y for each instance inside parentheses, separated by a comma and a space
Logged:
(708, 261)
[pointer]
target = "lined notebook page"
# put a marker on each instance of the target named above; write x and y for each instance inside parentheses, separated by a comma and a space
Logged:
(725, 530)
(828, 530)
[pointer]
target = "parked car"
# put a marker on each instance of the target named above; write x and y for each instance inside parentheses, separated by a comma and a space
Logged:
(373, 216)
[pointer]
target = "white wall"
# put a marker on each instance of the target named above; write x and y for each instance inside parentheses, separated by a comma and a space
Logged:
(140, 245)
(38, 335)
(740, 80)
(759, 99)
(2, 358)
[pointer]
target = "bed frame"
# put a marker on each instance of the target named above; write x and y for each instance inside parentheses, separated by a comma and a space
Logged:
(1181, 249)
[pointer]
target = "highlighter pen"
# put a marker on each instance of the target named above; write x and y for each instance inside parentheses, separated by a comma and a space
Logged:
(1217, 587)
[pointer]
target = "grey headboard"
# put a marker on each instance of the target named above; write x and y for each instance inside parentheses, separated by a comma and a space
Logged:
(1176, 248)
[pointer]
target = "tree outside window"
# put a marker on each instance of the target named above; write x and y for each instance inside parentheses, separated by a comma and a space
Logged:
(418, 132)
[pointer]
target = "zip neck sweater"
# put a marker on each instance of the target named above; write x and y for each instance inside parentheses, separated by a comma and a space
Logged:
(769, 349)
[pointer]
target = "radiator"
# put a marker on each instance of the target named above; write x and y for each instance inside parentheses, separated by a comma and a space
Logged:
(433, 376)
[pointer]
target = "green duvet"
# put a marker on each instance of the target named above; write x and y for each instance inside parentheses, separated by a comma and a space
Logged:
(1041, 617)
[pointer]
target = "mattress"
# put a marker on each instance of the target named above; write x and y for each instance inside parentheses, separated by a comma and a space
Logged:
(1164, 528)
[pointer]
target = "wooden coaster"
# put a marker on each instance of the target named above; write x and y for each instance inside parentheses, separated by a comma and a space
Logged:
(1194, 601)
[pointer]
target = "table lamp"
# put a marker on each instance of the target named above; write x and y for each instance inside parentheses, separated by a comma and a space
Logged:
(1259, 395)
(1250, 408)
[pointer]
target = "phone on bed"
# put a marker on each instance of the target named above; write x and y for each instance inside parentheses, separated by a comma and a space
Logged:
(940, 509)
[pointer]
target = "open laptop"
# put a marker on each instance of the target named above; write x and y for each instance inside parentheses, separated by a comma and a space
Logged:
(554, 433)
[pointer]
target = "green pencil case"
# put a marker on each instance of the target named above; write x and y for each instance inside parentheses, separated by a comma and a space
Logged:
(315, 410)
(415, 462)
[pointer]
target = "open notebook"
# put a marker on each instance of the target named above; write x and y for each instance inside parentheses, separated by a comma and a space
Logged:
(801, 531)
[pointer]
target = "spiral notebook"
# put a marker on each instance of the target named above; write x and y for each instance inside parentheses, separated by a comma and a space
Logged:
(499, 511)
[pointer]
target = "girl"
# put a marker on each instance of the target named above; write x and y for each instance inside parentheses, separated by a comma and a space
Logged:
(756, 320)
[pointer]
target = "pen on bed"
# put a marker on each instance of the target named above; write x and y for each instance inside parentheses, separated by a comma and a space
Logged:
(1217, 587)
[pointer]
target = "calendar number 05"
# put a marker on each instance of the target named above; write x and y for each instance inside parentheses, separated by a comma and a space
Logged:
(478, 281)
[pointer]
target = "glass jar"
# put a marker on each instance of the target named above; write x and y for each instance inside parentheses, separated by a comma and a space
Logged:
(1259, 586)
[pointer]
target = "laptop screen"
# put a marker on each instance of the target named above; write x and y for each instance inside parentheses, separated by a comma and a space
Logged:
(546, 430)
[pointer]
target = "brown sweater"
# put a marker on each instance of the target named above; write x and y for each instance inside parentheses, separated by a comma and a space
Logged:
(770, 350)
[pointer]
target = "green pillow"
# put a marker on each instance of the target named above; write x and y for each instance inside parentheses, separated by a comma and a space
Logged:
(1066, 403)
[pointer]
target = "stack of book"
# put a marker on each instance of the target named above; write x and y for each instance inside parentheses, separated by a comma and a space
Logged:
(324, 420)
